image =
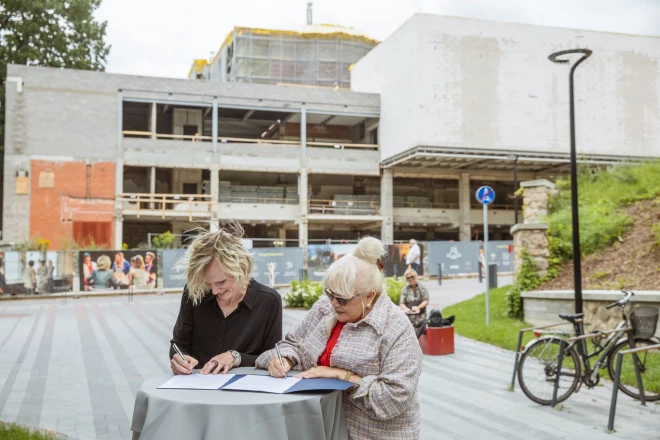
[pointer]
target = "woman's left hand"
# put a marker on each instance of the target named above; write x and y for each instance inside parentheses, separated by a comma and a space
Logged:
(224, 362)
(326, 372)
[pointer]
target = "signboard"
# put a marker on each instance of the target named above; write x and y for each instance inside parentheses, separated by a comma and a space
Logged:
(485, 195)
(456, 257)
(499, 253)
(46, 179)
(173, 276)
(275, 266)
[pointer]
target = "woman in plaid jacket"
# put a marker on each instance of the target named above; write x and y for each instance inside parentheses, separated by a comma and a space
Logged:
(358, 334)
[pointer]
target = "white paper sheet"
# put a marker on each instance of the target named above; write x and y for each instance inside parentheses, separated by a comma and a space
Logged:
(197, 381)
(265, 384)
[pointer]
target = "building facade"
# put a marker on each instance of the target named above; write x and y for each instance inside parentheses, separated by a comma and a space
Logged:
(112, 158)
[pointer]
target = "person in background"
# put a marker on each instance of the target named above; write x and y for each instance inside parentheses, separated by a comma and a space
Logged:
(88, 267)
(50, 276)
(414, 299)
(138, 275)
(357, 334)
(102, 277)
(29, 278)
(226, 319)
(42, 277)
(414, 253)
(150, 267)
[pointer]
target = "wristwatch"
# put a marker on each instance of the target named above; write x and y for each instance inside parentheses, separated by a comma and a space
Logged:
(237, 357)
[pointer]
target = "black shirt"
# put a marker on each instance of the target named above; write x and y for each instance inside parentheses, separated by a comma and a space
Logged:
(255, 326)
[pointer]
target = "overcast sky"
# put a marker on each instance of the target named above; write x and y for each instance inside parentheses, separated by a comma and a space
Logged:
(162, 37)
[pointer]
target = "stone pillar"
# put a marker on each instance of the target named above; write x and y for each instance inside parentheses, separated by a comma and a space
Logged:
(532, 234)
(215, 195)
(386, 207)
(464, 201)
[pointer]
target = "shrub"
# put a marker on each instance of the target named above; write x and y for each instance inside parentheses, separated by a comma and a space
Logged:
(527, 278)
(393, 287)
(303, 293)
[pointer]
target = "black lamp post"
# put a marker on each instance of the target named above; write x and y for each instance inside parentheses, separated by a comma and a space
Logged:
(577, 274)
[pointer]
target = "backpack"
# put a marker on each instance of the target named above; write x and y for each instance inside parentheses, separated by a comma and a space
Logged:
(435, 319)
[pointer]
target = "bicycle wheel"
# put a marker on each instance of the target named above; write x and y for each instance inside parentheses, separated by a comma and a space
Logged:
(649, 368)
(537, 371)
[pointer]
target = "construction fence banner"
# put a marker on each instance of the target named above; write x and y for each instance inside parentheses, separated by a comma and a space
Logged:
(174, 276)
(462, 257)
(276, 266)
(92, 265)
(14, 268)
(321, 256)
(396, 261)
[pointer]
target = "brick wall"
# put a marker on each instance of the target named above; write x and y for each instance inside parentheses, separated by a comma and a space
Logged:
(80, 194)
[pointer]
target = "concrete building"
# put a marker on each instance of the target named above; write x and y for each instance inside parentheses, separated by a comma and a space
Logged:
(441, 107)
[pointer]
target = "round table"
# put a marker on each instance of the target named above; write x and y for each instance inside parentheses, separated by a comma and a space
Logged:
(212, 414)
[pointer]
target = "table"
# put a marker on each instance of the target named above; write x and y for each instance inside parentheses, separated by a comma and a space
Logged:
(212, 414)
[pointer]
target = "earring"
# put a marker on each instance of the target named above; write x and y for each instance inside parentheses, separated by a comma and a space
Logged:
(368, 305)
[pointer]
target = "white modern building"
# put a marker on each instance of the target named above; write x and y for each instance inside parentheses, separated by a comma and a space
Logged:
(441, 107)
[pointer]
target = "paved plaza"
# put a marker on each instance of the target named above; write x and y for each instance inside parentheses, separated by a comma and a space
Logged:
(75, 368)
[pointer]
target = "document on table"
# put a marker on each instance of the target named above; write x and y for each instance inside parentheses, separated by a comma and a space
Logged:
(264, 384)
(197, 381)
(267, 384)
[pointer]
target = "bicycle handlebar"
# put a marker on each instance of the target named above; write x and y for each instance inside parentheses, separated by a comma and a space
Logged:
(622, 302)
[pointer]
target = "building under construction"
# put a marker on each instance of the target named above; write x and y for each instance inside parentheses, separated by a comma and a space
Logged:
(319, 55)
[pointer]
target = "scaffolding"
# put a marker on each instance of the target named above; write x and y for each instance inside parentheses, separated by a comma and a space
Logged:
(320, 56)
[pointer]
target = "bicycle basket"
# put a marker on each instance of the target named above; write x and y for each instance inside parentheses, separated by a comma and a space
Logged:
(644, 321)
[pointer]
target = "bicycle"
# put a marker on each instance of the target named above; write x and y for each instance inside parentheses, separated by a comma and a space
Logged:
(537, 369)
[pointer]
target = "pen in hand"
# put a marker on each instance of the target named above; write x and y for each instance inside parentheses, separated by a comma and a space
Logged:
(182, 356)
(279, 355)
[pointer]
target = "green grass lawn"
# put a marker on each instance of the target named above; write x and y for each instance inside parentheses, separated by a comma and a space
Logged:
(471, 320)
(11, 431)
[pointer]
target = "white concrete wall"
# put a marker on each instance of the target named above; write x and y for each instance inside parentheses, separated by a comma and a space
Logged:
(468, 83)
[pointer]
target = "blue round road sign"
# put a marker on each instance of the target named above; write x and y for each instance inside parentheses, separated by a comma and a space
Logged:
(485, 195)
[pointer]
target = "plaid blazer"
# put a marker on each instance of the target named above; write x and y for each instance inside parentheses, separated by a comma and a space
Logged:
(381, 348)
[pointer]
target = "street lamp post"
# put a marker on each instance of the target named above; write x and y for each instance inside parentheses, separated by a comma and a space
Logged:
(577, 274)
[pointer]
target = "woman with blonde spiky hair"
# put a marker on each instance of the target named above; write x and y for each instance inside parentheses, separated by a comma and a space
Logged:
(226, 318)
(356, 333)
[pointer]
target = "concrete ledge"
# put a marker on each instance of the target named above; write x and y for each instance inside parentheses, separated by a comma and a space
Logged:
(529, 227)
(539, 182)
(594, 295)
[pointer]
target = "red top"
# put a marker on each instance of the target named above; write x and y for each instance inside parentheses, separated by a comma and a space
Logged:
(324, 359)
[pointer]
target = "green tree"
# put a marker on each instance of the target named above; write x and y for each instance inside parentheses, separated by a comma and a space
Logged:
(52, 33)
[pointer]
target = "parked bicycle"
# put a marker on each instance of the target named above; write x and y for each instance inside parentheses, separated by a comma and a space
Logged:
(537, 369)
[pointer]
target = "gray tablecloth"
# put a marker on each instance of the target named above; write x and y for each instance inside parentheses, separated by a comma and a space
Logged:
(212, 414)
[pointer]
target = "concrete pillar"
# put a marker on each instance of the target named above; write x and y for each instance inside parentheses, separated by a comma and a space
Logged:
(152, 184)
(223, 64)
(214, 130)
(303, 130)
(464, 227)
(154, 118)
(282, 233)
(215, 196)
(302, 225)
(386, 207)
(119, 175)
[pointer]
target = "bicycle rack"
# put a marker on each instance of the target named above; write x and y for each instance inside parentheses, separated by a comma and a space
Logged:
(520, 336)
(564, 344)
(617, 378)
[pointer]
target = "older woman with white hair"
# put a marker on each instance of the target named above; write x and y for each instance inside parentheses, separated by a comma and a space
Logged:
(226, 319)
(358, 334)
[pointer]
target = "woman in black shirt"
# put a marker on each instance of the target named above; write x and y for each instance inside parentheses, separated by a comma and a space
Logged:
(226, 318)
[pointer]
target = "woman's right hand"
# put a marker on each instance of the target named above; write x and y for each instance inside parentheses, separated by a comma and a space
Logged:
(276, 369)
(179, 366)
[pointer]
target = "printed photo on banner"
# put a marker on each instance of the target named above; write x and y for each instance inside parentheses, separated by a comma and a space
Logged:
(321, 256)
(102, 270)
(398, 259)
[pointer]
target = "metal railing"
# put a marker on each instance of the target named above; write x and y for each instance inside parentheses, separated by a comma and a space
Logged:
(255, 199)
(190, 203)
(343, 207)
(617, 379)
(537, 329)
(225, 139)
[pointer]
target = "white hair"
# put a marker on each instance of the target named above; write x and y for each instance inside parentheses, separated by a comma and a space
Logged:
(358, 273)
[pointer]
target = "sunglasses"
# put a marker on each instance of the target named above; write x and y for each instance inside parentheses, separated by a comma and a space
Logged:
(412, 277)
(342, 301)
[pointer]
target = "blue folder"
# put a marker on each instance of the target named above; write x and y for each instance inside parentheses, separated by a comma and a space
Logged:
(316, 384)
